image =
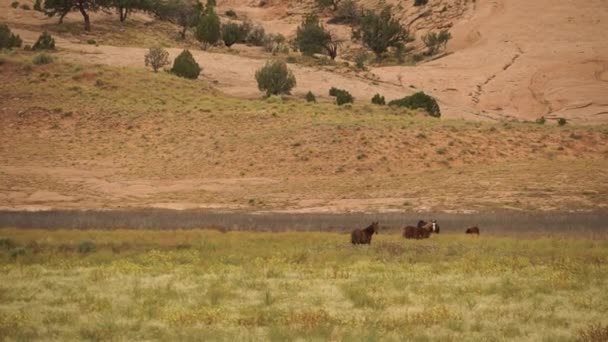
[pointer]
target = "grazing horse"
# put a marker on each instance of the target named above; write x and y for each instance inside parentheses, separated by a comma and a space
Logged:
(430, 227)
(409, 232)
(472, 230)
(364, 236)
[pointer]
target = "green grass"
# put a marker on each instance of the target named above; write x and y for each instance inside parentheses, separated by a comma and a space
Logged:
(282, 286)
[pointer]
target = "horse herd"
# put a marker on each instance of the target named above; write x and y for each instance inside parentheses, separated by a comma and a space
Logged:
(422, 230)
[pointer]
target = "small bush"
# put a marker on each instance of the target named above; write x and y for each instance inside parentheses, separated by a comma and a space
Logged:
(16, 252)
(275, 78)
(44, 42)
(231, 32)
(15, 4)
(419, 100)
(360, 59)
(8, 40)
(342, 96)
(347, 13)
(86, 246)
(257, 36)
(378, 100)
(157, 57)
(42, 58)
(6, 243)
(310, 97)
(185, 66)
(541, 120)
(231, 14)
(420, 2)
(91, 41)
(561, 121)
(26, 7)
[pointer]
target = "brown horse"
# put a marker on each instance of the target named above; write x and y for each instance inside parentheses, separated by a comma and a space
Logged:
(422, 233)
(472, 230)
(364, 236)
(409, 232)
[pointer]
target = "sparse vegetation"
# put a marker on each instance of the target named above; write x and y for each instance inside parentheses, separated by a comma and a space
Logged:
(186, 14)
(8, 40)
(208, 31)
(347, 13)
(61, 8)
(231, 33)
(185, 66)
(44, 42)
(310, 97)
(25, 7)
(342, 96)
(541, 120)
(231, 14)
(562, 121)
(275, 44)
(378, 100)
(419, 100)
(435, 41)
(311, 38)
(378, 32)
(157, 57)
(275, 78)
(420, 2)
(15, 4)
(327, 3)
(42, 58)
(360, 59)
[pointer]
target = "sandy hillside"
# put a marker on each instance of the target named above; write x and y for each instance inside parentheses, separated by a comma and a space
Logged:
(509, 59)
(512, 58)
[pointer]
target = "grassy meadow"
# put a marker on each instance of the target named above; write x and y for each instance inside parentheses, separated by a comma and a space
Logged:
(208, 285)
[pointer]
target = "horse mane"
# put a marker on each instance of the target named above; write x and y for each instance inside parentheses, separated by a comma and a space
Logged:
(369, 230)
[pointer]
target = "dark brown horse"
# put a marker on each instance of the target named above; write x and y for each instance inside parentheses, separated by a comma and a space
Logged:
(423, 232)
(364, 236)
(409, 232)
(472, 230)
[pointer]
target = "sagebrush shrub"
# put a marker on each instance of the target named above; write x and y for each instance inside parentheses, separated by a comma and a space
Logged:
(8, 40)
(378, 100)
(6, 243)
(419, 100)
(342, 96)
(157, 57)
(310, 97)
(86, 246)
(561, 121)
(185, 66)
(231, 32)
(275, 78)
(44, 42)
(43, 58)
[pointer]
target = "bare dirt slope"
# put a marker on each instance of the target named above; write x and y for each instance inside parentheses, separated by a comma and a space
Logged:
(510, 59)
(514, 58)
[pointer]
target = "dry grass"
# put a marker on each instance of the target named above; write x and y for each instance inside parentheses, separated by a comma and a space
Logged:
(96, 136)
(266, 286)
